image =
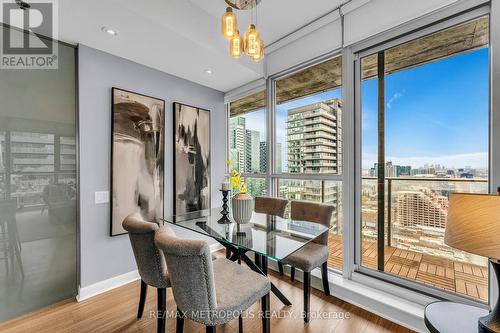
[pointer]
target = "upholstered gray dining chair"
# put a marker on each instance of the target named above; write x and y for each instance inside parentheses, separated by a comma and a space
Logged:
(314, 253)
(150, 263)
(270, 206)
(210, 292)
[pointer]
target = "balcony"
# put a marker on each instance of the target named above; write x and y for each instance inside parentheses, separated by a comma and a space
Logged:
(460, 277)
(319, 134)
(415, 214)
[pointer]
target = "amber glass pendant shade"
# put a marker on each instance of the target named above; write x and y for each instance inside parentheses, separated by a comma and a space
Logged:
(259, 56)
(229, 25)
(252, 38)
(236, 46)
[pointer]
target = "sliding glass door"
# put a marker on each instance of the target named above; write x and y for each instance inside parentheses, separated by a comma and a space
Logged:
(424, 133)
(38, 186)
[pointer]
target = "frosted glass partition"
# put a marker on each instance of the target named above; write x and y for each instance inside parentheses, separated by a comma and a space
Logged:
(38, 186)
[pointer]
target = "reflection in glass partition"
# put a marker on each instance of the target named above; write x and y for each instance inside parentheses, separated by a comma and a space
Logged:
(38, 186)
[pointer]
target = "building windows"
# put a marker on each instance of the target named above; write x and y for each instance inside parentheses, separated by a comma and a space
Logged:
(247, 134)
(424, 134)
(309, 120)
(308, 132)
(422, 110)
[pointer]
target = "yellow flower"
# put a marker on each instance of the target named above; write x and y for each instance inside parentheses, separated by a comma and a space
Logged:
(229, 162)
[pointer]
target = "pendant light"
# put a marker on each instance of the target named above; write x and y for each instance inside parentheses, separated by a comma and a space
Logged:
(229, 25)
(259, 56)
(252, 41)
(236, 46)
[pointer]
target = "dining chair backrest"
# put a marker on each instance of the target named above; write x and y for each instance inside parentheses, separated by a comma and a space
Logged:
(150, 260)
(270, 205)
(313, 212)
(190, 270)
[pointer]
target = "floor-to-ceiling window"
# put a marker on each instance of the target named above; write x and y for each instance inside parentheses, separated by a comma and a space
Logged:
(247, 146)
(306, 160)
(424, 134)
(308, 140)
(38, 186)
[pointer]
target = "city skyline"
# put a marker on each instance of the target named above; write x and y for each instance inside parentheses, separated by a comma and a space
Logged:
(445, 119)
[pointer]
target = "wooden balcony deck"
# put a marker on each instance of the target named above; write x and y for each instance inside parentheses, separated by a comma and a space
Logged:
(462, 278)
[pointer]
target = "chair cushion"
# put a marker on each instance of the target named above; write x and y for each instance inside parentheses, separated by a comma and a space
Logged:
(237, 287)
(308, 257)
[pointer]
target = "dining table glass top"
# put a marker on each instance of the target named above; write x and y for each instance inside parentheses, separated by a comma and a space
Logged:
(269, 235)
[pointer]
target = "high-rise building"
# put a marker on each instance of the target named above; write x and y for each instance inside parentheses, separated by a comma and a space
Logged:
(391, 170)
(314, 134)
(419, 208)
(263, 157)
(237, 142)
(252, 151)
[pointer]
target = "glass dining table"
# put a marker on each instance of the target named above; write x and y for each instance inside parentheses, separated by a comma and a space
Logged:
(267, 236)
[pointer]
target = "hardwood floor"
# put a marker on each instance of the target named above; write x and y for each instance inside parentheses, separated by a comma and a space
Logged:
(115, 311)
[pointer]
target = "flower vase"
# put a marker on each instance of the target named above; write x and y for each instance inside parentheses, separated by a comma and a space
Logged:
(242, 206)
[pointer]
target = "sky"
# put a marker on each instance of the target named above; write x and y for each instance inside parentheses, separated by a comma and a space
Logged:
(435, 114)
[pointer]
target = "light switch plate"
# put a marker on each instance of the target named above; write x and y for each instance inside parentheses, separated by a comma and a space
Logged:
(101, 197)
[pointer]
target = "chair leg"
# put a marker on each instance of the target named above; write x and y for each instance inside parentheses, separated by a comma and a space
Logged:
(179, 326)
(142, 299)
(307, 295)
(240, 324)
(162, 302)
(228, 253)
(292, 273)
(324, 278)
(211, 329)
(265, 304)
(280, 266)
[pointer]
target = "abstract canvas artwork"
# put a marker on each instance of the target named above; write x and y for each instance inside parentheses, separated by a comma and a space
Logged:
(138, 144)
(191, 158)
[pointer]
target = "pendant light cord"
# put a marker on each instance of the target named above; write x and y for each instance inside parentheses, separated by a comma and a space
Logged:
(256, 14)
(341, 14)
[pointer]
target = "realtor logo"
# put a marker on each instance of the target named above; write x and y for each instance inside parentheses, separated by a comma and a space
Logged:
(25, 44)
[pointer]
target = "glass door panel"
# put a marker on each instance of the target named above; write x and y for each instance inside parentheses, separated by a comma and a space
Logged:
(38, 186)
(425, 125)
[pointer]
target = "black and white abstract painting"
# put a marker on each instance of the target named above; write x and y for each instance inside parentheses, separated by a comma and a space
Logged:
(191, 159)
(138, 144)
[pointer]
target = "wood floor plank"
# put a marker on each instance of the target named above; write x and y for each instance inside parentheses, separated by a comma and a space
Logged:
(115, 311)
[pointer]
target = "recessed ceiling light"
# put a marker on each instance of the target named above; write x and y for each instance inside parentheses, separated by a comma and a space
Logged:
(110, 31)
(208, 71)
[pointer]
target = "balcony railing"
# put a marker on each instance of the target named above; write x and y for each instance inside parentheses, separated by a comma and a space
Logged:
(436, 191)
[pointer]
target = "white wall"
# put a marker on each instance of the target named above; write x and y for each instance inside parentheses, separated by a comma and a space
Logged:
(103, 257)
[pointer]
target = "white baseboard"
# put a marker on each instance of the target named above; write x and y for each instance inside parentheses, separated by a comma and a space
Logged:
(118, 281)
(106, 285)
(393, 308)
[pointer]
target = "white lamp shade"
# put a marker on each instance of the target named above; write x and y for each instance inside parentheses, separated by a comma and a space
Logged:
(474, 224)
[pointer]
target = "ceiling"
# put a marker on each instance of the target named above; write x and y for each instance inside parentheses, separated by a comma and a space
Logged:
(182, 37)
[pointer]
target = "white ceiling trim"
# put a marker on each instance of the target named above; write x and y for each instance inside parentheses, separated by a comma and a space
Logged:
(245, 90)
(326, 19)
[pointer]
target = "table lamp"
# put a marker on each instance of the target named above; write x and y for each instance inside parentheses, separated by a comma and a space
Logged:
(474, 226)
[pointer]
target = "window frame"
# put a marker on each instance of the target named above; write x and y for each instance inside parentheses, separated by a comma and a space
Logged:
(351, 119)
(359, 52)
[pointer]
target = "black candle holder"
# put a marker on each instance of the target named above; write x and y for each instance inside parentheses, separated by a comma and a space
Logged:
(225, 212)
